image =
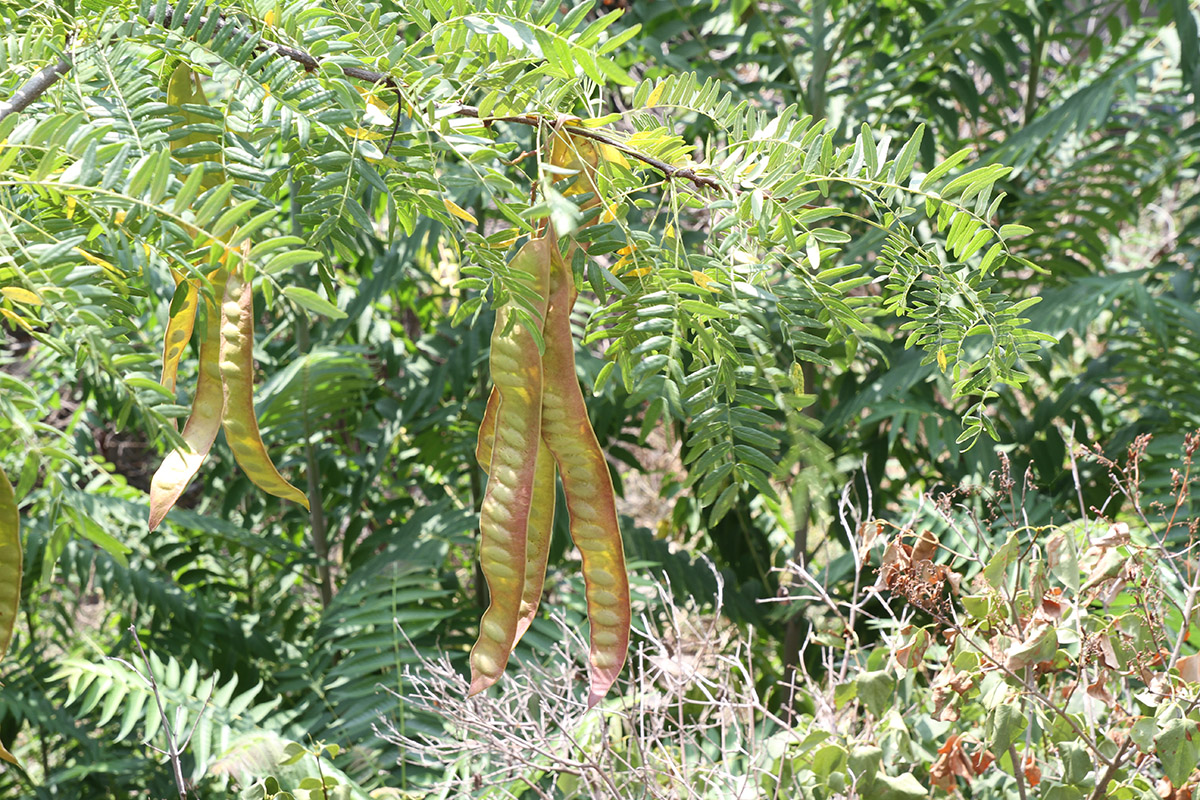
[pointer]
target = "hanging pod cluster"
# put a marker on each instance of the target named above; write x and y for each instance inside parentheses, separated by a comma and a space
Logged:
(224, 395)
(536, 422)
(224, 398)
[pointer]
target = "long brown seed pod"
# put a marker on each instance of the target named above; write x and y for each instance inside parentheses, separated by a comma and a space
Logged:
(588, 486)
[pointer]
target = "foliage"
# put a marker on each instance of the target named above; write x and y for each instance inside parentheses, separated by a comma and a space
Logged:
(810, 254)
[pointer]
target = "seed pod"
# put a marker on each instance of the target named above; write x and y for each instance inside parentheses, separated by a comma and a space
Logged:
(588, 487)
(183, 88)
(10, 573)
(541, 516)
(516, 368)
(180, 324)
(237, 378)
(180, 465)
(10, 562)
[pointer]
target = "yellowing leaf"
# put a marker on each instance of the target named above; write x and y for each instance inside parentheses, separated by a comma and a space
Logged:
(702, 280)
(106, 266)
(458, 211)
(17, 319)
(941, 359)
(504, 242)
(377, 112)
(363, 133)
(612, 155)
(655, 94)
(574, 156)
(71, 203)
(21, 295)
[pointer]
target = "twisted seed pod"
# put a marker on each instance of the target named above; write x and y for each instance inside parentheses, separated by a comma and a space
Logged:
(180, 324)
(541, 516)
(516, 368)
(237, 378)
(200, 430)
(588, 487)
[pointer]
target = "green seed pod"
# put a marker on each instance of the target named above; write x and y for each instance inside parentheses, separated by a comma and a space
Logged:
(10, 574)
(200, 430)
(10, 562)
(237, 377)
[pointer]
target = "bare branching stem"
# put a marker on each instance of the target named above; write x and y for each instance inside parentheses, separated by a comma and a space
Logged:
(173, 751)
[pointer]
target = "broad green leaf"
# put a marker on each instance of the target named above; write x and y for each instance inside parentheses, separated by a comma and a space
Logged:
(997, 566)
(1177, 748)
(1004, 724)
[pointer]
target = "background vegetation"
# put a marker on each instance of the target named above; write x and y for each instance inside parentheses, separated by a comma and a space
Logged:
(878, 550)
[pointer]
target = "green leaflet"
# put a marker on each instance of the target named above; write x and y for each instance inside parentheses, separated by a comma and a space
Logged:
(237, 378)
(10, 572)
(516, 368)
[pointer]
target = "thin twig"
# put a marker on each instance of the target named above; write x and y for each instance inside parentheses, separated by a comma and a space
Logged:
(1102, 785)
(172, 747)
(1016, 765)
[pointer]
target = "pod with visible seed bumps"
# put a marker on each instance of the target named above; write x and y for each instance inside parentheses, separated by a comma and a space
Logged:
(516, 368)
(237, 379)
(541, 516)
(200, 430)
(587, 484)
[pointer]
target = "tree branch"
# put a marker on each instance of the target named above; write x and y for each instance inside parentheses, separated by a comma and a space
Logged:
(35, 87)
(42, 81)
(311, 64)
